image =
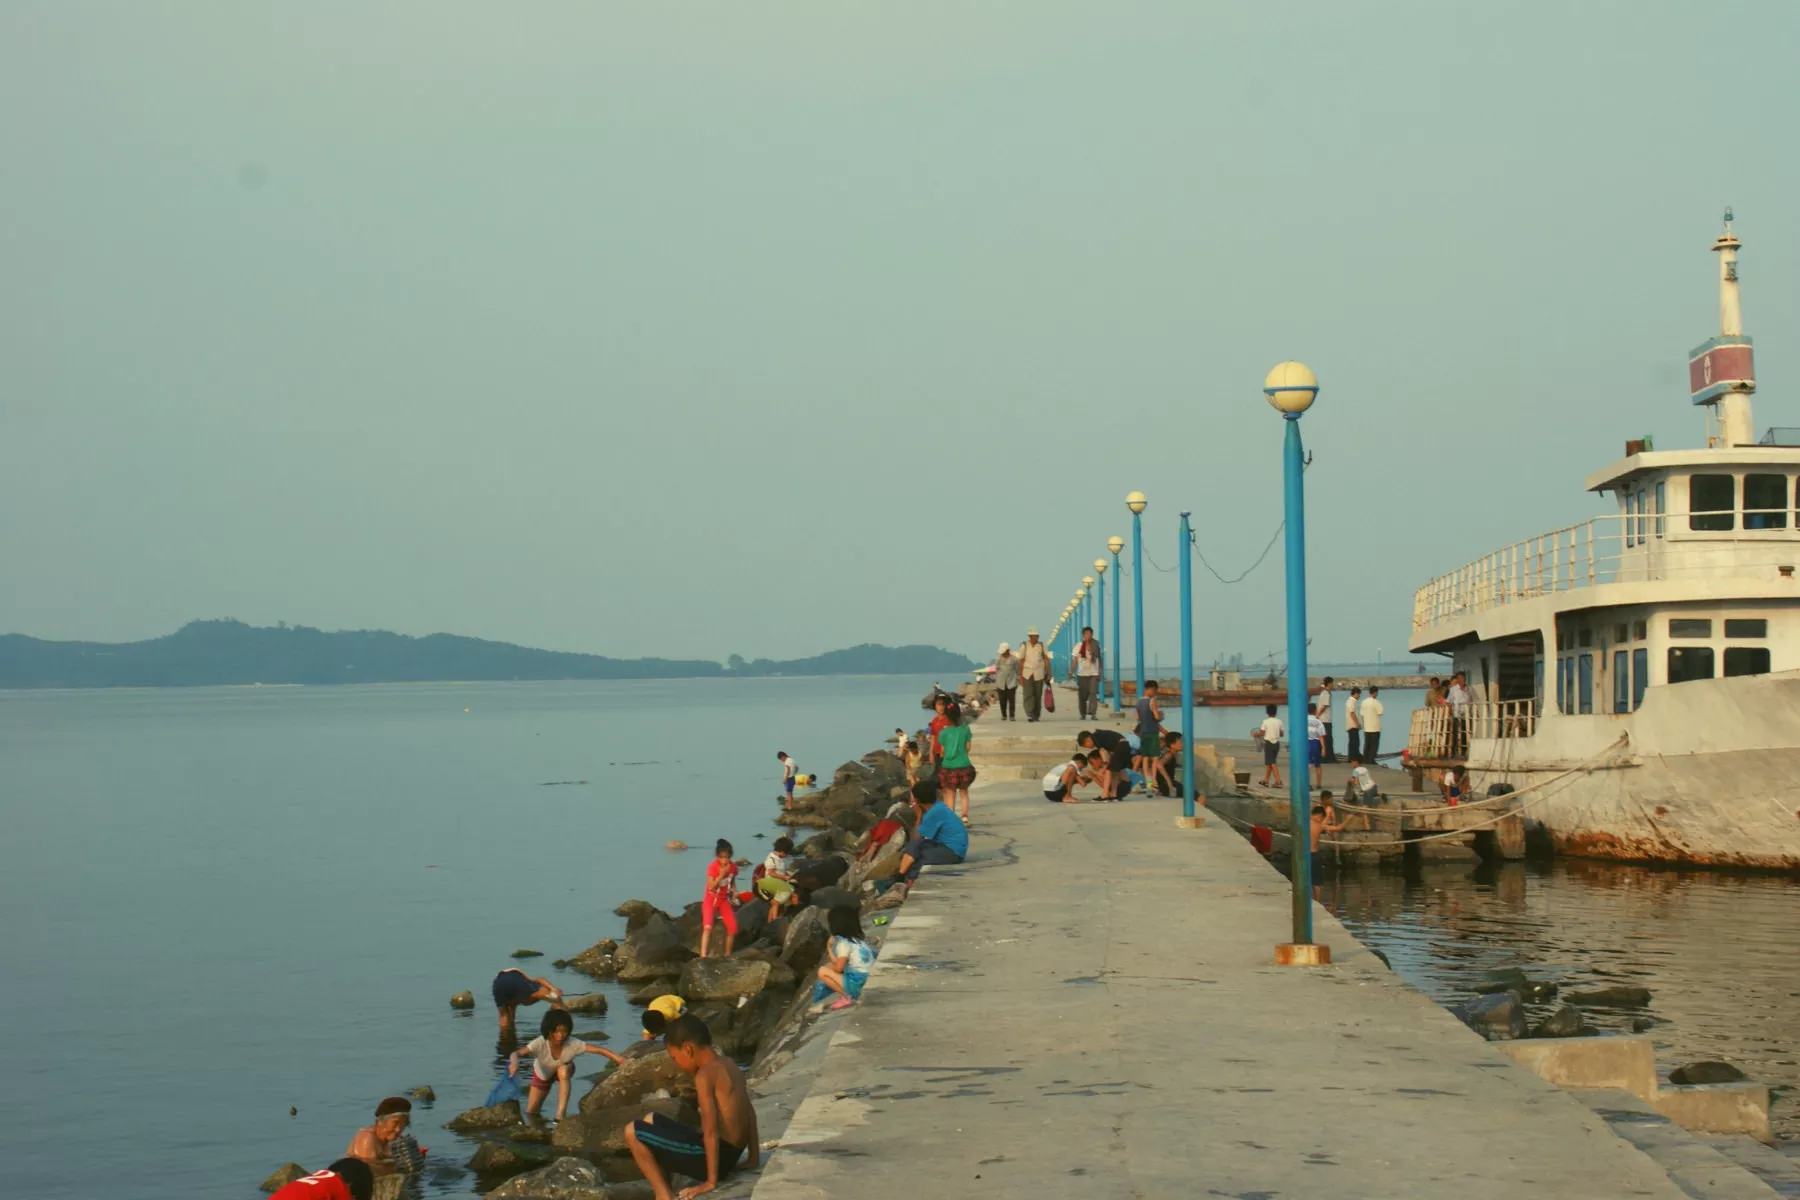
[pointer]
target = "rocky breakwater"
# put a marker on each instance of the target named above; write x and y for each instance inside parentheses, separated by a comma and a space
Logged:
(754, 1000)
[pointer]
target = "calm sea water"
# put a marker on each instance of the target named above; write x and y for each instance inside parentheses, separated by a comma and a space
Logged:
(1714, 948)
(217, 904)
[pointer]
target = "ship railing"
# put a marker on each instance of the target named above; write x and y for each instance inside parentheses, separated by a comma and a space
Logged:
(1616, 548)
(1440, 733)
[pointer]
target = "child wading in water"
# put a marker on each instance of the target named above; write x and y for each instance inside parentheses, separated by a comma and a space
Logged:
(721, 884)
(848, 957)
(552, 1057)
(662, 1146)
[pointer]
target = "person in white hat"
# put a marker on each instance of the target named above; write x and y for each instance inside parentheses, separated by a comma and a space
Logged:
(1006, 678)
(1034, 670)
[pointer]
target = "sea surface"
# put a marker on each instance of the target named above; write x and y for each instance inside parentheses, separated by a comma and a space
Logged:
(1714, 948)
(217, 905)
(220, 904)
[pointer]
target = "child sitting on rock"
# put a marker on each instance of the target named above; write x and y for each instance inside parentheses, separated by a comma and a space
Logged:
(552, 1055)
(721, 885)
(848, 957)
(662, 1146)
(777, 882)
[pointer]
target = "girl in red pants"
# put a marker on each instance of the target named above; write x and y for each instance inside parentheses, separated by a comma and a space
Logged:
(721, 884)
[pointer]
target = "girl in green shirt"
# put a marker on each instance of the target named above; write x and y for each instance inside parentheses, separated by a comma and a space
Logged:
(955, 771)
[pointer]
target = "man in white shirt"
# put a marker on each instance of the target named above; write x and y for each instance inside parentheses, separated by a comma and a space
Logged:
(1271, 731)
(1353, 724)
(1323, 700)
(1370, 712)
(1034, 670)
(1315, 745)
(1457, 698)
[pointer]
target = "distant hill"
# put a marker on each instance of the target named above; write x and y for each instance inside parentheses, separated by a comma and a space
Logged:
(213, 653)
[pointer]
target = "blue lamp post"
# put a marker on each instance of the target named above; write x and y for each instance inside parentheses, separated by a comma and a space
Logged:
(1087, 601)
(1100, 625)
(1116, 544)
(1187, 671)
(1291, 388)
(1136, 503)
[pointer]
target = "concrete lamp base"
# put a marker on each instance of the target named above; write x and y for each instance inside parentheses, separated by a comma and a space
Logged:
(1194, 822)
(1302, 954)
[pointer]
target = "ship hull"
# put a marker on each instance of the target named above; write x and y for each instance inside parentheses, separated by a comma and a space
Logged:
(1705, 774)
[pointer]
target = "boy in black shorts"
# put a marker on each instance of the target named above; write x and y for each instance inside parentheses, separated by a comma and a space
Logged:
(662, 1147)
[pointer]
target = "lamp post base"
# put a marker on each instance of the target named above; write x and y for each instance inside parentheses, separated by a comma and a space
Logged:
(1302, 954)
(1194, 822)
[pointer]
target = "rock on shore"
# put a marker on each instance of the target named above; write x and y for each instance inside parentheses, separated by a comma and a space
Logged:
(284, 1176)
(1499, 1016)
(495, 1116)
(1618, 996)
(564, 1179)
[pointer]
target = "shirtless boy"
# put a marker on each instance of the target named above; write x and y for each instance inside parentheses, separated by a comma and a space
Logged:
(662, 1147)
(371, 1142)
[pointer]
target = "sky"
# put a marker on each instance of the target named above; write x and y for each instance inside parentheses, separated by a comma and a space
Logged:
(769, 328)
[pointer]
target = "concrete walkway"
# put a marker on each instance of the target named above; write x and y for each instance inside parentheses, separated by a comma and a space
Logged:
(1088, 1008)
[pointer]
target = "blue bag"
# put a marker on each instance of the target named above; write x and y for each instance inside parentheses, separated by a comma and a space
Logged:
(505, 1088)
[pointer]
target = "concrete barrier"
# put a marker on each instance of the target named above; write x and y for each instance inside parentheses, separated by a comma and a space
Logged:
(1629, 1064)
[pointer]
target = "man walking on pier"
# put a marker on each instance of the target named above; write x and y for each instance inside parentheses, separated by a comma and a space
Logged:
(1087, 675)
(1370, 712)
(1034, 672)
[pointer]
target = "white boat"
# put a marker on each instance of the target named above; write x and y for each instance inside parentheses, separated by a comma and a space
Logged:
(1669, 633)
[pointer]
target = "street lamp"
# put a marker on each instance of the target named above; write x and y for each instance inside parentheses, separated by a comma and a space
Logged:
(1136, 503)
(1187, 820)
(1291, 388)
(1116, 544)
(1087, 590)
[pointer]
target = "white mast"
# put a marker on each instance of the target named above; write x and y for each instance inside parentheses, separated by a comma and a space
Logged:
(1736, 427)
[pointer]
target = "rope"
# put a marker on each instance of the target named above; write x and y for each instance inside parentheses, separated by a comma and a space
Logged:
(1430, 837)
(1586, 764)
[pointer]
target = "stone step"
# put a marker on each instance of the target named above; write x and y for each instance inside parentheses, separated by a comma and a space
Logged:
(1781, 1172)
(1692, 1162)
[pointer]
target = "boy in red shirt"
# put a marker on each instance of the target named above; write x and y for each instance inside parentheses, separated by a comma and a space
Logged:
(345, 1179)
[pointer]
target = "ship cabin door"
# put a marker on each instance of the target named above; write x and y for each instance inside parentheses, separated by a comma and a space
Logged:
(1520, 667)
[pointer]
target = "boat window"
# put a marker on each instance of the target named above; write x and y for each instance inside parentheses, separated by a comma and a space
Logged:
(1690, 627)
(1640, 677)
(1765, 502)
(1662, 508)
(1711, 499)
(1565, 685)
(1584, 687)
(1690, 662)
(1747, 660)
(1621, 682)
(1746, 627)
(1630, 520)
(1640, 630)
(1584, 636)
(1642, 524)
(1619, 634)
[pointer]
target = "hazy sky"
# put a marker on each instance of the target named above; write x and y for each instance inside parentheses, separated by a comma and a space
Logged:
(774, 327)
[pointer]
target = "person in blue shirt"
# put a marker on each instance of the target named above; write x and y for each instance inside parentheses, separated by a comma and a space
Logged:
(939, 838)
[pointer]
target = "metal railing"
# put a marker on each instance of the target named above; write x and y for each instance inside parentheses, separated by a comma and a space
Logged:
(1617, 548)
(1438, 732)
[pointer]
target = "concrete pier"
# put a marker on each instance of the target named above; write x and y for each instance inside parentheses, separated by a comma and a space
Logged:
(1089, 1007)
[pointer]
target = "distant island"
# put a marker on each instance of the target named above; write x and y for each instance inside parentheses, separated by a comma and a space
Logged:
(219, 653)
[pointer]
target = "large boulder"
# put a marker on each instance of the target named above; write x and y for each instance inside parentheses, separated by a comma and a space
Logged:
(494, 1116)
(722, 978)
(805, 940)
(284, 1176)
(1707, 1072)
(884, 864)
(597, 959)
(753, 920)
(1617, 996)
(832, 897)
(1564, 1022)
(640, 1074)
(498, 1158)
(564, 1179)
(823, 873)
(636, 912)
(592, 1004)
(820, 844)
(601, 1131)
(654, 948)
(662, 985)
(1499, 1016)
